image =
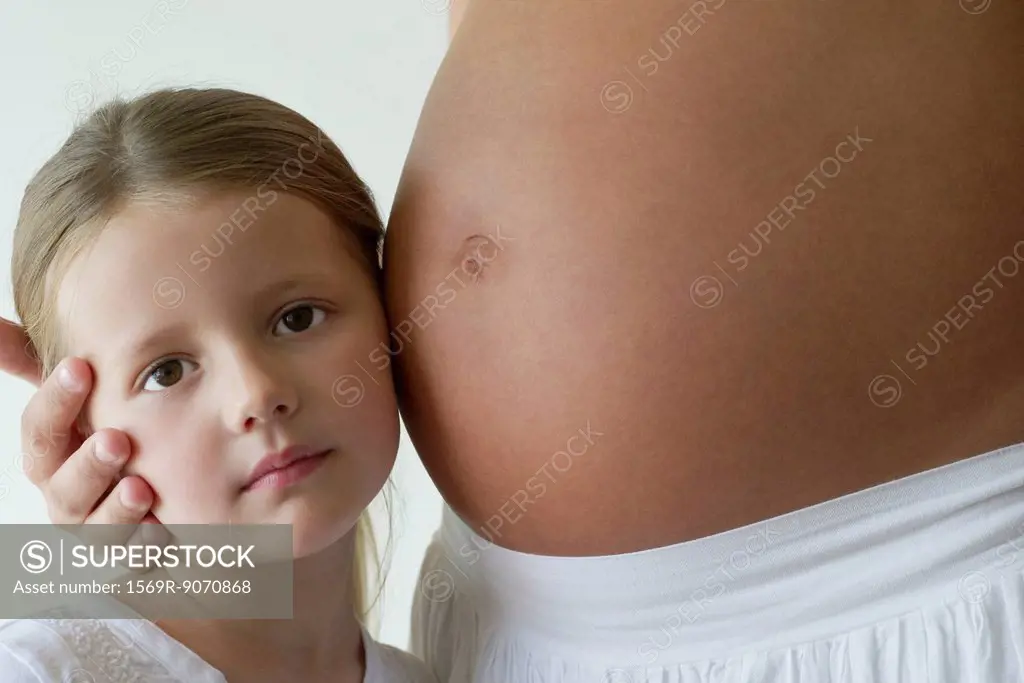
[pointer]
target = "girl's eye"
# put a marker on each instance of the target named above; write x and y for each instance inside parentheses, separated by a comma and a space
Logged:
(166, 375)
(299, 319)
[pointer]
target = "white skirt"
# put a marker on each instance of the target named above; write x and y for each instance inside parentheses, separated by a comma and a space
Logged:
(918, 580)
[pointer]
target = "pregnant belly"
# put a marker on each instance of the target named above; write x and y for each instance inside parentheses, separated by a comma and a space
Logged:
(650, 283)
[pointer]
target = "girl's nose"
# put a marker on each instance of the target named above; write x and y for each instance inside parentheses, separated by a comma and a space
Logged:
(263, 396)
(264, 410)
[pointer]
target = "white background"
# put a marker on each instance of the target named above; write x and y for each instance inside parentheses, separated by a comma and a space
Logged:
(358, 69)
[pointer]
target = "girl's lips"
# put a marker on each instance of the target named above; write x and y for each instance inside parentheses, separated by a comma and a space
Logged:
(289, 474)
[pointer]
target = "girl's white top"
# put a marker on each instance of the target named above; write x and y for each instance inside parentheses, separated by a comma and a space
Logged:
(137, 651)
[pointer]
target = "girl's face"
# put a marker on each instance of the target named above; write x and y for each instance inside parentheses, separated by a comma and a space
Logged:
(220, 334)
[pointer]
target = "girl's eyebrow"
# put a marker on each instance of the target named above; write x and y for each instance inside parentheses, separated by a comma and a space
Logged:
(145, 342)
(279, 287)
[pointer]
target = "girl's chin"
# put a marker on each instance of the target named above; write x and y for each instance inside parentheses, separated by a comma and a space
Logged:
(309, 539)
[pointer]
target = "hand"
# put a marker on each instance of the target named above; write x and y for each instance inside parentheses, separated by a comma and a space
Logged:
(79, 478)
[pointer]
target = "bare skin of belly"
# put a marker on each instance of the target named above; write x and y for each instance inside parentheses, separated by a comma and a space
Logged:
(661, 282)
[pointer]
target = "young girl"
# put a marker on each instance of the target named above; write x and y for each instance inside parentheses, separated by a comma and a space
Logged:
(216, 260)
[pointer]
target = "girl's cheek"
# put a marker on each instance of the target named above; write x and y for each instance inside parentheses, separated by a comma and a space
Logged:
(179, 497)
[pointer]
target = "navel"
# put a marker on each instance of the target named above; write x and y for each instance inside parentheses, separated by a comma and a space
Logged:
(477, 253)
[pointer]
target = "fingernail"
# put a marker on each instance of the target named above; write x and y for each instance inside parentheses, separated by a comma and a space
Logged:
(130, 502)
(67, 379)
(106, 456)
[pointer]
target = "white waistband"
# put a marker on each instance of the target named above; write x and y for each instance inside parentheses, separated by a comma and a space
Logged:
(923, 541)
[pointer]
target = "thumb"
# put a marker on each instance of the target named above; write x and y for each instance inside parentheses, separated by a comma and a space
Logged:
(17, 356)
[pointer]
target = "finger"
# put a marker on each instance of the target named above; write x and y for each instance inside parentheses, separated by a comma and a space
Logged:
(149, 535)
(16, 354)
(48, 434)
(123, 518)
(127, 504)
(119, 518)
(75, 490)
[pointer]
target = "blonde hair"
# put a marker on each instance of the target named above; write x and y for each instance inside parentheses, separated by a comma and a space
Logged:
(166, 145)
